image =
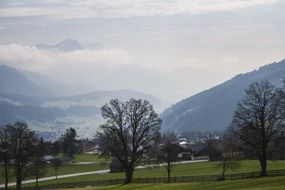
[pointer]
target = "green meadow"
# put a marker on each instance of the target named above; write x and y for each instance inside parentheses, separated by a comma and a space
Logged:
(193, 169)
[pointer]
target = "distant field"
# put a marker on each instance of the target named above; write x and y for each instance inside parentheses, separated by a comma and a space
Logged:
(89, 158)
(86, 158)
(193, 169)
(268, 183)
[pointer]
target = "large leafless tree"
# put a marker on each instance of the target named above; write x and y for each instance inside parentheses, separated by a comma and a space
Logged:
(128, 132)
(22, 147)
(5, 153)
(259, 118)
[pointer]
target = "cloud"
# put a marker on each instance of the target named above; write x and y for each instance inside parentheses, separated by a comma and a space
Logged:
(225, 63)
(102, 69)
(105, 69)
(228, 59)
(28, 57)
(98, 68)
(74, 9)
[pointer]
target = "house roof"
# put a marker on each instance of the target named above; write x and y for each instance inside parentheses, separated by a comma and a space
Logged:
(179, 148)
(48, 157)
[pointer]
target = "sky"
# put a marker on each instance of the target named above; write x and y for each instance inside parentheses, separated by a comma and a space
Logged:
(169, 48)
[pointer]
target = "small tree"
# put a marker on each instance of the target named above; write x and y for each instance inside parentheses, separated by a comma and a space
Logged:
(56, 147)
(69, 144)
(169, 152)
(259, 118)
(56, 163)
(154, 153)
(128, 132)
(209, 143)
(116, 166)
(231, 153)
(39, 165)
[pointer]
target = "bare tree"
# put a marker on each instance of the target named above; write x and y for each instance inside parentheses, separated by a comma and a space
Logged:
(128, 132)
(258, 119)
(38, 166)
(22, 147)
(153, 156)
(5, 153)
(169, 151)
(231, 154)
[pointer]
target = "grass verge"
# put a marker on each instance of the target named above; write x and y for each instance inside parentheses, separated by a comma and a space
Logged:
(267, 183)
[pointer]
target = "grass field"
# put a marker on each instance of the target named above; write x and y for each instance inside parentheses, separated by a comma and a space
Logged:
(86, 158)
(268, 183)
(65, 169)
(89, 158)
(208, 168)
(102, 163)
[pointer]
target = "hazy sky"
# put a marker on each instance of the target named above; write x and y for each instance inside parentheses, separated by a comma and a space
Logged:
(169, 48)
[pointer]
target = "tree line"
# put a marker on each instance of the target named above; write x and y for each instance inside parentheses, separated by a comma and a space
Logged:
(22, 152)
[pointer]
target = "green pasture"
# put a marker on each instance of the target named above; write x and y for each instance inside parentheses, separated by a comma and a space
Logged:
(193, 169)
(267, 183)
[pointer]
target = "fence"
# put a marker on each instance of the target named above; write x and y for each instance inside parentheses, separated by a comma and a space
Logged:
(179, 179)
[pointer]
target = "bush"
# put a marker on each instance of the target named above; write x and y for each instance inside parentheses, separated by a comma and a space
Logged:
(116, 166)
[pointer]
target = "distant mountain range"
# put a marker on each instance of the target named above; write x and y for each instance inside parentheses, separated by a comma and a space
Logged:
(48, 107)
(213, 109)
(65, 45)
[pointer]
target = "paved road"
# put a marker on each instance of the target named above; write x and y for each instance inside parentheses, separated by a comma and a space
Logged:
(181, 162)
(85, 163)
(60, 176)
(96, 172)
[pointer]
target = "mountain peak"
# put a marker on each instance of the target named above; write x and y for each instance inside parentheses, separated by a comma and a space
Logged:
(66, 45)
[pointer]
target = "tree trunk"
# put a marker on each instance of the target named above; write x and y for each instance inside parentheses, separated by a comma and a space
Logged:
(168, 172)
(37, 178)
(19, 179)
(129, 174)
(18, 175)
(6, 173)
(210, 151)
(224, 170)
(263, 160)
(55, 170)
(263, 166)
(37, 183)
